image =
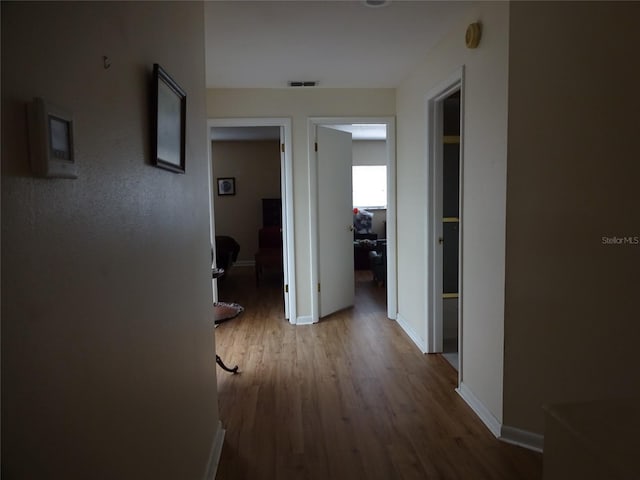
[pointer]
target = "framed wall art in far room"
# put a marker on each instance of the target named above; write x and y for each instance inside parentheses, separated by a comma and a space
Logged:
(169, 119)
(226, 186)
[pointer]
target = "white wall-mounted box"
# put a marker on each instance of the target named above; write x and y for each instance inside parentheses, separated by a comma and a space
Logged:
(51, 136)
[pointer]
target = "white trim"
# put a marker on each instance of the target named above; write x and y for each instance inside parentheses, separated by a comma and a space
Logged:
(433, 226)
(522, 438)
(305, 320)
(212, 223)
(461, 229)
(504, 433)
(313, 220)
(286, 179)
(391, 233)
(392, 281)
(287, 197)
(216, 451)
(490, 421)
(413, 335)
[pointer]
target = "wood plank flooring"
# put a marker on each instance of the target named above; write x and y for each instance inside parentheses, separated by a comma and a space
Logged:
(348, 398)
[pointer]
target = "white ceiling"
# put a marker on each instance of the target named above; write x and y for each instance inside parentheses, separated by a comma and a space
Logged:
(364, 131)
(244, 133)
(358, 132)
(340, 44)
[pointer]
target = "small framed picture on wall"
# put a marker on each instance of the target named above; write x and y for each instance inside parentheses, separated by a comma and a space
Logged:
(227, 186)
(168, 122)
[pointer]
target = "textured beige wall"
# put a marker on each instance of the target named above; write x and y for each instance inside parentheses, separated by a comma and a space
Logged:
(256, 168)
(484, 194)
(571, 319)
(299, 105)
(107, 338)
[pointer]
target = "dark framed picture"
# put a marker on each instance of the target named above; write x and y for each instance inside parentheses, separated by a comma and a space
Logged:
(169, 122)
(227, 186)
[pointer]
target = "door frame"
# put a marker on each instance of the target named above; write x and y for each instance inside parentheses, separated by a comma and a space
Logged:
(433, 227)
(392, 281)
(286, 182)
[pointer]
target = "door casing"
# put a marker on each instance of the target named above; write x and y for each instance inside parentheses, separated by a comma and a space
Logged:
(433, 227)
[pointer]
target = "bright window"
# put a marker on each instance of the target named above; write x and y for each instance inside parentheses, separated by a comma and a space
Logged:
(370, 186)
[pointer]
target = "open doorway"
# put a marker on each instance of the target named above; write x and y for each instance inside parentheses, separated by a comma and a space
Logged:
(369, 202)
(450, 227)
(372, 144)
(250, 167)
(444, 321)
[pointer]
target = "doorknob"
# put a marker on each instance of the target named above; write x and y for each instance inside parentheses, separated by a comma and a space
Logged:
(440, 240)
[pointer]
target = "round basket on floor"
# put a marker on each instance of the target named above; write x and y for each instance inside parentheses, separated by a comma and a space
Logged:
(224, 311)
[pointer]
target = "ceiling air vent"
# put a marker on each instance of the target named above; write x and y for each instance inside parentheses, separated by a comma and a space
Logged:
(303, 84)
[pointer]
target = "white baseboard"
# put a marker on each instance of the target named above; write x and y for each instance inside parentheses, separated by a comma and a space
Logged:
(490, 421)
(522, 438)
(245, 263)
(512, 435)
(304, 320)
(216, 451)
(408, 329)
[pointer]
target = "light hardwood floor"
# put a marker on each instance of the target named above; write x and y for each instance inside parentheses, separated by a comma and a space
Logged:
(348, 398)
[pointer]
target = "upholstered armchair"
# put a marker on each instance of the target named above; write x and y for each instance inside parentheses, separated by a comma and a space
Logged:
(269, 254)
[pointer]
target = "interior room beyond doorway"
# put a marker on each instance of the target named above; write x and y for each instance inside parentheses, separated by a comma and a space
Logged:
(369, 201)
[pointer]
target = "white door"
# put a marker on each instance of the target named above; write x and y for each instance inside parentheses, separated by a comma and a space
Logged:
(283, 215)
(335, 220)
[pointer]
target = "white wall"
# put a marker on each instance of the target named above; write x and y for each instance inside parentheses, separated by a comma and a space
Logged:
(256, 167)
(484, 194)
(571, 318)
(300, 105)
(107, 338)
(369, 152)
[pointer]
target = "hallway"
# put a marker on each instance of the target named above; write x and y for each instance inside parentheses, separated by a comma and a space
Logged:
(348, 398)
